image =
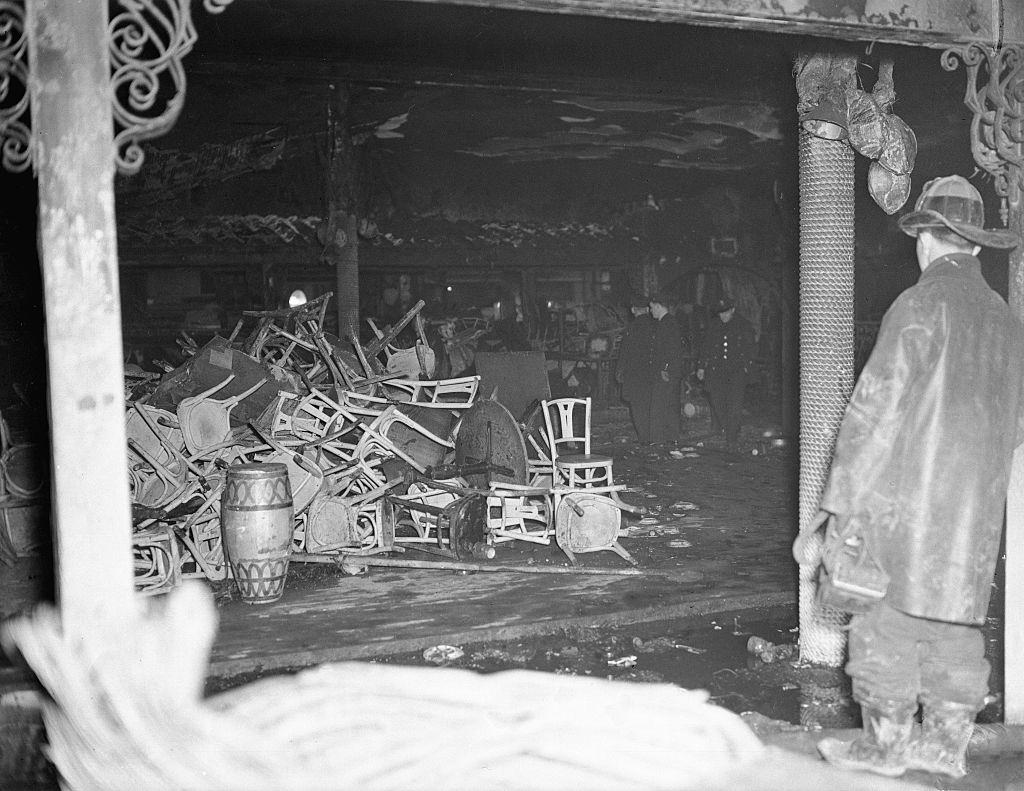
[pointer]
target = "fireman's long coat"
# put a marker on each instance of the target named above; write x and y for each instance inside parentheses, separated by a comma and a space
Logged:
(924, 451)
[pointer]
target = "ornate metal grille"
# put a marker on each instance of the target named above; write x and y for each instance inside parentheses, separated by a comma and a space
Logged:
(995, 95)
(147, 39)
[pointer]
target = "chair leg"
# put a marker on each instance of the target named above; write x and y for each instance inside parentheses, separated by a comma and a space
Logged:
(569, 554)
(619, 550)
(624, 506)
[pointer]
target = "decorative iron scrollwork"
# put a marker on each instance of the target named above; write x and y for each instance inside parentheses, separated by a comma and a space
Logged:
(14, 129)
(995, 95)
(148, 39)
(216, 6)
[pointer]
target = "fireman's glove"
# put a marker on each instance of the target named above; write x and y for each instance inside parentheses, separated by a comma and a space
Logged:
(808, 545)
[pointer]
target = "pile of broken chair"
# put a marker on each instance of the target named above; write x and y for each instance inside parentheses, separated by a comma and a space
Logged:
(22, 483)
(369, 443)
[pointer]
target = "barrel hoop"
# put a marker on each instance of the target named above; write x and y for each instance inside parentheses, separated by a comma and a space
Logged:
(259, 490)
(274, 507)
(260, 581)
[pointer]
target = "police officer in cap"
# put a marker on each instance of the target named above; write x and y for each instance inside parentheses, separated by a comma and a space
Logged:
(631, 369)
(652, 375)
(724, 365)
(664, 371)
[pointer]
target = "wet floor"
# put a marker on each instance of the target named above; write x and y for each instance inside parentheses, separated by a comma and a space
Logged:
(710, 653)
(729, 515)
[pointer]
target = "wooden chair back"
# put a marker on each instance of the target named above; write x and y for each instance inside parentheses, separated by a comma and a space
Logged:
(567, 421)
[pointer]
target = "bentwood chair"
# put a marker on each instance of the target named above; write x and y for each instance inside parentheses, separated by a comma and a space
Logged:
(589, 520)
(205, 421)
(567, 421)
(519, 513)
(457, 393)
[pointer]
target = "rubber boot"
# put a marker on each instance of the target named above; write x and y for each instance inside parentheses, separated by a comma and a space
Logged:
(946, 730)
(882, 746)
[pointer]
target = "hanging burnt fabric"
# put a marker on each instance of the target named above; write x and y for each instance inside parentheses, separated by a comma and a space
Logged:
(867, 125)
(899, 146)
(889, 190)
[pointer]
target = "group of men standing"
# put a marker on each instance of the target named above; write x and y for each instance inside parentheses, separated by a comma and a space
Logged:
(650, 369)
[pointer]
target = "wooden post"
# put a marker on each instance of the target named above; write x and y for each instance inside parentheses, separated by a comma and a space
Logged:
(343, 250)
(74, 156)
(1013, 617)
(347, 280)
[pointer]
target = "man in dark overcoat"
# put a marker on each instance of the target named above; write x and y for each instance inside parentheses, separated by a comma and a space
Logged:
(665, 369)
(726, 357)
(914, 504)
(631, 369)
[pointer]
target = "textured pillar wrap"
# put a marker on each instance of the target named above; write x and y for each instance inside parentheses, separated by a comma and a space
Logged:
(826, 356)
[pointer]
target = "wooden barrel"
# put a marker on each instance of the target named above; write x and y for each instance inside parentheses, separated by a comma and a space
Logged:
(256, 522)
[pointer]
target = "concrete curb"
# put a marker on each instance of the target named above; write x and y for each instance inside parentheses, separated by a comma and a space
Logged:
(227, 668)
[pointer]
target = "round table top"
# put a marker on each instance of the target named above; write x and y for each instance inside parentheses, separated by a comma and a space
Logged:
(485, 419)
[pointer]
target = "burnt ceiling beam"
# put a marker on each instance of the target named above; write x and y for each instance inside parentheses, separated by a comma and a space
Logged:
(306, 258)
(931, 23)
(315, 72)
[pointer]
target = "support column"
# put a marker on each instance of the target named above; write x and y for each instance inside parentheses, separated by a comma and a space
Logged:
(826, 326)
(826, 357)
(74, 155)
(343, 249)
(347, 279)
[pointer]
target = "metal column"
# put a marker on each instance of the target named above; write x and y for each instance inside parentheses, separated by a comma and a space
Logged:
(826, 355)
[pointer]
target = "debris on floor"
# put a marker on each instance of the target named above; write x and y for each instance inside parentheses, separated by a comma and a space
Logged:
(769, 652)
(442, 654)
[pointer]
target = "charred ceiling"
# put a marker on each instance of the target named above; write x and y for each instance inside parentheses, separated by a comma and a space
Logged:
(477, 130)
